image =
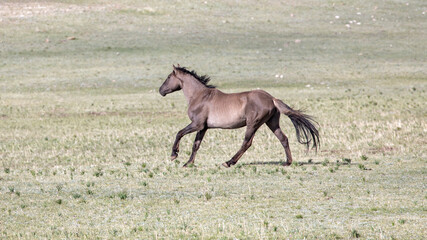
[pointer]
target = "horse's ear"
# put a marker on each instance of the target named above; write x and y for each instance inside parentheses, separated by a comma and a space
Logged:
(175, 69)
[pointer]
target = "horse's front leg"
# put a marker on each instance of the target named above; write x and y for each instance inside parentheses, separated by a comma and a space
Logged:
(192, 127)
(196, 145)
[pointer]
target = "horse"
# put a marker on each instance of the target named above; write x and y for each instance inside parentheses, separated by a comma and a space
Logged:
(208, 107)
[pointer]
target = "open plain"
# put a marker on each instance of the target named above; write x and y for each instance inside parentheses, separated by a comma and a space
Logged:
(85, 137)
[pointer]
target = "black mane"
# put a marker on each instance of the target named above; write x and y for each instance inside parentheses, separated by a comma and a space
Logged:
(203, 79)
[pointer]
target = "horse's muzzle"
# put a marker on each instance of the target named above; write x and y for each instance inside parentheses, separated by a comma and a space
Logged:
(162, 92)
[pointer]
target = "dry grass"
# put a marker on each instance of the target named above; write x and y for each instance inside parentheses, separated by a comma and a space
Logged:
(85, 137)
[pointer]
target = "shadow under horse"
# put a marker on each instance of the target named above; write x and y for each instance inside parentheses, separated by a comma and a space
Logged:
(208, 107)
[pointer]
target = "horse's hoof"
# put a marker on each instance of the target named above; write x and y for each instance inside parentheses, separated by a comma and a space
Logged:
(287, 164)
(173, 157)
(225, 165)
(188, 165)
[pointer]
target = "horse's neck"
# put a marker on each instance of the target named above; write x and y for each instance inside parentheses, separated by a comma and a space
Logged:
(192, 88)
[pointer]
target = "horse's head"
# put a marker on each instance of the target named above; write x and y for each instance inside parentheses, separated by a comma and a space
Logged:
(171, 84)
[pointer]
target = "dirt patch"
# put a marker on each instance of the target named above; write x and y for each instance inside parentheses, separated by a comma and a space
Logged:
(384, 149)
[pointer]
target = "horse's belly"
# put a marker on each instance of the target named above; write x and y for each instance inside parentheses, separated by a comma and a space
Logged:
(226, 120)
(227, 111)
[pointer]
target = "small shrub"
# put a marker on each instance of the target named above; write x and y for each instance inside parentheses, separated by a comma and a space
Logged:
(208, 196)
(98, 173)
(335, 236)
(58, 201)
(402, 221)
(299, 216)
(362, 167)
(122, 195)
(364, 158)
(127, 163)
(355, 234)
(346, 160)
(265, 223)
(7, 170)
(76, 195)
(325, 162)
(90, 192)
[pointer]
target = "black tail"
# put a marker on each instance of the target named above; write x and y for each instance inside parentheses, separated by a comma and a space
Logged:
(303, 123)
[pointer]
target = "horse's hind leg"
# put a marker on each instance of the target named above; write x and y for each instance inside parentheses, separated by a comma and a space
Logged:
(273, 124)
(196, 145)
(249, 136)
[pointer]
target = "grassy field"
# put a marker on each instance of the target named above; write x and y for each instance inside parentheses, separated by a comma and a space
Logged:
(85, 137)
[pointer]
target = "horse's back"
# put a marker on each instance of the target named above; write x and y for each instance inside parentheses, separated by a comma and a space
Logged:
(261, 97)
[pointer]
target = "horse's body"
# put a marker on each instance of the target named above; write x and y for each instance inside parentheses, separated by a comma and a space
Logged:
(208, 107)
